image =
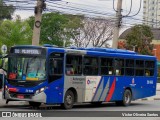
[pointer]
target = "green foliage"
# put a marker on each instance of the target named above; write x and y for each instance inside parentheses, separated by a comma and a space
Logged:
(52, 28)
(57, 27)
(6, 11)
(15, 33)
(140, 37)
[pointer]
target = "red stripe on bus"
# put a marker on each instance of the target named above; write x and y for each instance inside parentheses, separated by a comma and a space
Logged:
(111, 90)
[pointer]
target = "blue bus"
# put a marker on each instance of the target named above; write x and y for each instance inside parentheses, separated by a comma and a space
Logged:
(65, 76)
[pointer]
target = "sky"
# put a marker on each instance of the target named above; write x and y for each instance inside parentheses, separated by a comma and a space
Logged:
(92, 8)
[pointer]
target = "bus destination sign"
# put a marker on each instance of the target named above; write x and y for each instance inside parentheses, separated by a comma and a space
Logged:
(27, 51)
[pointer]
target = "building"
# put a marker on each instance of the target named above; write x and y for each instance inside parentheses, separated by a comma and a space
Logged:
(155, 41)
(151, 13)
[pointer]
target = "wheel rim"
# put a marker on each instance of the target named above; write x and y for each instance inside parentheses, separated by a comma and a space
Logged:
(69, 99)
(127, 98)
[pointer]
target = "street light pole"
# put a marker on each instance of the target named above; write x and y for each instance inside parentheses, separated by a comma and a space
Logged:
(41, 5)
(37, 23)
(117, 27)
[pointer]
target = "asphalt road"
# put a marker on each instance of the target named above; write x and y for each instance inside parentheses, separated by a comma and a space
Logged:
(139, 105)
(85, 110)
(82, 110)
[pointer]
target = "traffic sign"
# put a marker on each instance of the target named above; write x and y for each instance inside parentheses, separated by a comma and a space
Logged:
(4, 49)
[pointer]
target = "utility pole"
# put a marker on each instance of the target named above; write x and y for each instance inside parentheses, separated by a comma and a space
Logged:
(37, 24)
(118, 24)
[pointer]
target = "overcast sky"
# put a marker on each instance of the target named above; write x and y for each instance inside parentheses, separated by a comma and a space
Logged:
(89, 7)
(93, 8)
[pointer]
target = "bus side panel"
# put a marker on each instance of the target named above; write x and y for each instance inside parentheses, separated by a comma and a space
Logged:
(141, 87)
(119, 88)
(144, 87)
(109, 88)
(55, 91)
(147, 86)
(77, 83)
(88, 88)
(103, 90)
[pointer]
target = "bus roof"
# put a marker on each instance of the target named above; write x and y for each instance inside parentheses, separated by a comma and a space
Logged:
(94, 51)
(103, 51)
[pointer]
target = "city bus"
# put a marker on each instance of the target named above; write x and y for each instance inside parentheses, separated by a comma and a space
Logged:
(53, 75)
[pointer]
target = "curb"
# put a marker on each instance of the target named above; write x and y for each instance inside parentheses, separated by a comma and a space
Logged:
(150, 98)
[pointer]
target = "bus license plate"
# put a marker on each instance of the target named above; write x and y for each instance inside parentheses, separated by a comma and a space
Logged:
(20, 96)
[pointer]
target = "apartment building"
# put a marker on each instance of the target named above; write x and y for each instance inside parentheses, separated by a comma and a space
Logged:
(151, 13)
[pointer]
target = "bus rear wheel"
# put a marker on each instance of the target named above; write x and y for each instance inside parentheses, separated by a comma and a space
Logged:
(127, 97)
(34, 104)
(68, 100)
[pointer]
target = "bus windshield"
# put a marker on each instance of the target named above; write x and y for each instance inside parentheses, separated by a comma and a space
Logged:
(26, 68)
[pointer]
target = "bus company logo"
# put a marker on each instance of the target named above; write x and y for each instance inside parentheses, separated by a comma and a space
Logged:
(133, 83)
(88, 82)
(91, 82)
(76, 80)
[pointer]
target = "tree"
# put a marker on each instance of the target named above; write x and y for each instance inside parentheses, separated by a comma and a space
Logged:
(141, 38)
(6, 11)
(15, 33)
(57, 27)
(121, 45)
(94, 32)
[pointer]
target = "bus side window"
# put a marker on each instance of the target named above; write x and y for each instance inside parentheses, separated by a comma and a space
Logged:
(106, 66)
(149, 68)
(119, 66)
(129, 70)
(90, 65)
(147, 72)
(55, 66)
(51, 64)
(139, 68)
(73, 64)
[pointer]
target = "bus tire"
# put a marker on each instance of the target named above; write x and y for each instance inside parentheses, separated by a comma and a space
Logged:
(68, 100)
(127, 97)
(34, 104)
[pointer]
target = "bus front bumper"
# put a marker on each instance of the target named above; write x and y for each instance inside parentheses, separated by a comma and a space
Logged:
(41, 97)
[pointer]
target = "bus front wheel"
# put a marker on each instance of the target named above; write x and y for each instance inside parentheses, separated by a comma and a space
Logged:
(68, 100)
(127, 97)
(34, 104)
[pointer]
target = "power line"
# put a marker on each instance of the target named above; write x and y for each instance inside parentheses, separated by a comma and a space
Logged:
(58, 6)
(129, 10)
(137, 11)
(114, 7)
(83, 9)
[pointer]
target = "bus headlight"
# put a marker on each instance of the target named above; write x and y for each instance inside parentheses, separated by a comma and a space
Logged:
(40, 90)
(37, 92)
